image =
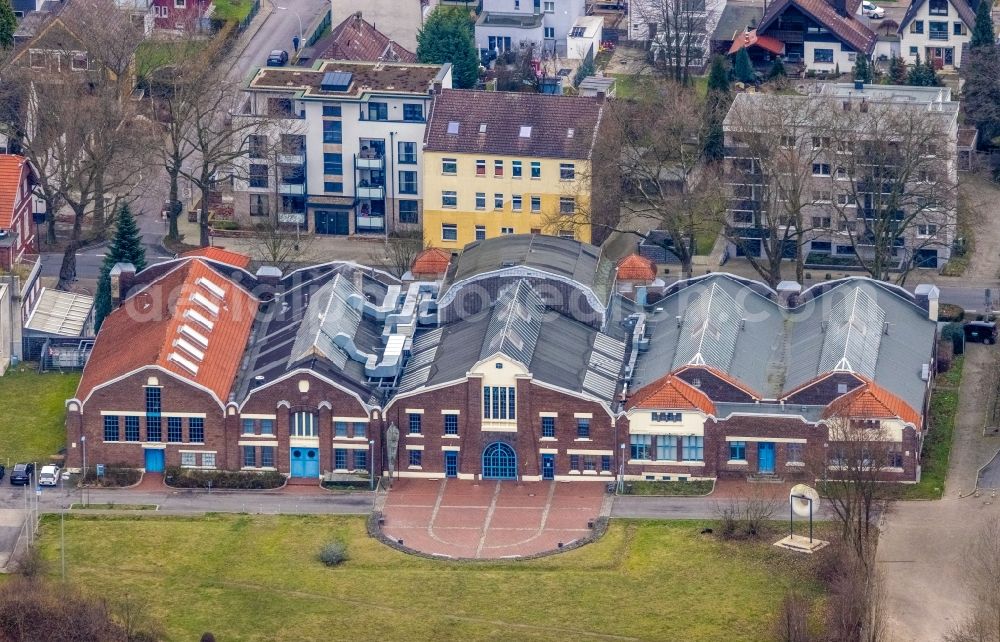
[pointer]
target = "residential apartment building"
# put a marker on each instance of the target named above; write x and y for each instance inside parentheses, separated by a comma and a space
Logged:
(822, 35)
(523, 362)
(341, 153)
(500, 163)
(850, 175)
(676, 28)
(936, 31)
(511, 25)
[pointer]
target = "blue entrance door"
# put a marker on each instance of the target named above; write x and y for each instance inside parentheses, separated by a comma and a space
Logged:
(548, 466)
(305, 462)
(450, 463)
(765, 457)
(499, 462)
(154, 460)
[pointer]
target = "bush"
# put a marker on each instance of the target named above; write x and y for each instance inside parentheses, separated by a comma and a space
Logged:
(225, 225)
(950, 312)
(234, 480)
(333, 554)
(115, 476)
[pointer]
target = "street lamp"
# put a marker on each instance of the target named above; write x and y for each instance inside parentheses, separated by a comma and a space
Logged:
(371, 462)
(299, 19)
(83, 480)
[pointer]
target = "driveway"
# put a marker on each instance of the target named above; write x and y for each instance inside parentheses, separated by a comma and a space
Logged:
(923, 545)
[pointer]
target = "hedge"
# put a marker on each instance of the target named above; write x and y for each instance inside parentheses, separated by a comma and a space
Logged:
(239, 480)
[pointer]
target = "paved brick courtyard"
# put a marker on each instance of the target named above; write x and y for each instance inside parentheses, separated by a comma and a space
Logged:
(489, 520)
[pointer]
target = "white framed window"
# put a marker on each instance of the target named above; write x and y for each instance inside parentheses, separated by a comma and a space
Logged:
(449, 232)
(928, 229)
(506, 230)
(480, 200)
(549, 6)
(515, 202)
(536, 204)
(188, 459)
(208, 460)
(449, 199)
(498, 201)
(303, 424)
(449, 166)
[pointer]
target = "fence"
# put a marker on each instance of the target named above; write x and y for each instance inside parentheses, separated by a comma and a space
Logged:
(320, 30)
(245, 22)
(63, 354)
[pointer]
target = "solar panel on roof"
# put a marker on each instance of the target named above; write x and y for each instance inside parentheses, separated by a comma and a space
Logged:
(336, 81)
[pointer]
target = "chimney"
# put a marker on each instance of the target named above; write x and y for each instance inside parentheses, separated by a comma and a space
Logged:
(122, 278)
(788, 293)
(927, 296)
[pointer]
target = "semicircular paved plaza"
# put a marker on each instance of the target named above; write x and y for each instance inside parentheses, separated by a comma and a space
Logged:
(490, 519)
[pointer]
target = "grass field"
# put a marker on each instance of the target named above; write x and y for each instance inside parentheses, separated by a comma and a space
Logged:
(33, 414)
(937, 443)
(257, 578)
(669, 488)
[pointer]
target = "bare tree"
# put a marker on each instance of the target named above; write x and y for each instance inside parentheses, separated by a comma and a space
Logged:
(679, 41)
(896, 183)
(856, 606)
(397, 252)
(650, 175)
(851, 470)
(982, 574)
(769, 166)
(278, 244)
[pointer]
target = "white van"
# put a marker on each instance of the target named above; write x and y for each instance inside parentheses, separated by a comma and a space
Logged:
(49, 476)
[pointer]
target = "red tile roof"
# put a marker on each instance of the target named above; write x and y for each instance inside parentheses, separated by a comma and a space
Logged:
(636, 268)
(848, 29)
(751, 39)
(357, 39)
(169, 323)
(872, 401)
(672, 393)
(433, 260)
(504, 123)
(11, 173)
(221, 255)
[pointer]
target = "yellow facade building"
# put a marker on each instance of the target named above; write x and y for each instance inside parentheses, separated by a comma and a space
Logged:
(499, 163)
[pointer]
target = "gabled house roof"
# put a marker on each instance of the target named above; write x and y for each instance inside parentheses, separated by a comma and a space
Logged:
(965, 11)
(12, 170)
(357, 39)
(673, 393)
(220, 255)
(848, 29)
(433, 260)
(191, 322)
(504, 123)
(871, 401)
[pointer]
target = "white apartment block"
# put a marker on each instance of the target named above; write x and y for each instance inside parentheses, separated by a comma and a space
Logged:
(936, 30)
(340, 152)
(839, 191)
(510, 25)
(654, 21)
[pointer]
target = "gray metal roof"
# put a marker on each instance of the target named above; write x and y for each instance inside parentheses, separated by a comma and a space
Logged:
(515, 322)
(64, 314)
(330, 312)
(564, 258)
(841, 326)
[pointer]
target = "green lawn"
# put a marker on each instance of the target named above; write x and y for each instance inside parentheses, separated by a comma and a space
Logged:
(33, 414)
(669, 487)
(937, 443)
(257, 578)
(232, 10)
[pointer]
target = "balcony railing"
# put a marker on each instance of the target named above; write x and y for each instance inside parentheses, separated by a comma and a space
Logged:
(292, 189)
(298, 158)
(373, 192)
(938, 35)
(297, 218)
(376, 162)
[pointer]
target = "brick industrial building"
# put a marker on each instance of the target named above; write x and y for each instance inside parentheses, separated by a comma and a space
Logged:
(518, 359)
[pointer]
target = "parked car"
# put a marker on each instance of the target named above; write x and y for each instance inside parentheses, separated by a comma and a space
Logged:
(3, 470)
(49, 476)
(980, 331)
(872, 10)
(21, 475)
(277, 58)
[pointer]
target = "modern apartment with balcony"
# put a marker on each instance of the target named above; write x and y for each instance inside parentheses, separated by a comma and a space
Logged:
(936, 30)
(511, 25)
(339, 152)
(851, 172)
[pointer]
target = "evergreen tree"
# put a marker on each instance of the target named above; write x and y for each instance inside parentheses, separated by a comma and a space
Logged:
(897, 71)
(863, 70)
(743, 68)
(125, 247)
(716, 105)
(8, 23)
(982, 32)
(447, 36)
(718, 75)
(922, 74)
(777, 69)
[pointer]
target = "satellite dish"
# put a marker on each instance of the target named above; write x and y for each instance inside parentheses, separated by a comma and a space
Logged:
(803, 498)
